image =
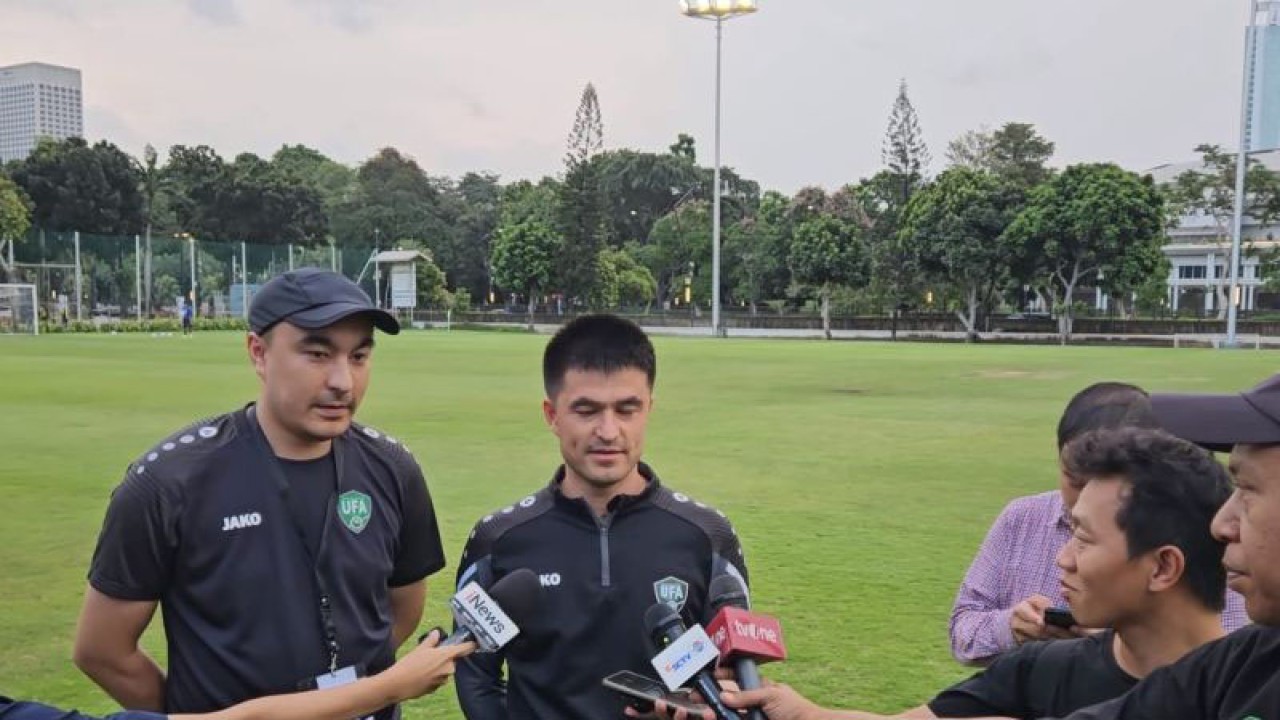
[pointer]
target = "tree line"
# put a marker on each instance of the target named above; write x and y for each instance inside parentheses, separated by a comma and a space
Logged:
(997, 227)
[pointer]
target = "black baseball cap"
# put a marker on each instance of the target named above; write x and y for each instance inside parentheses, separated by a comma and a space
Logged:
(1218, 422)
(312, 298)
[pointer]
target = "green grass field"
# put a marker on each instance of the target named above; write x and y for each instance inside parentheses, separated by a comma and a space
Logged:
(861, 477)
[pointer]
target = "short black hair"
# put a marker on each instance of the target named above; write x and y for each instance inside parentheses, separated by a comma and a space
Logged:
(1175, 489)
(604, 343)
(1105, 405)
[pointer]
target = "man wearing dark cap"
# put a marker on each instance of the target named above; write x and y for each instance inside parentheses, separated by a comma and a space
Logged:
(287, 545)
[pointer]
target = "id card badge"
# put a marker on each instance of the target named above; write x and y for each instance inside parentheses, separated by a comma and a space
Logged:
(337, 678)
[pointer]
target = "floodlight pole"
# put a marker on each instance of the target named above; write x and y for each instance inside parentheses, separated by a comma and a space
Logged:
(244, 280)
(716, 329)
(137, 274)
(719, 11)
(78, 290)
(191, 243)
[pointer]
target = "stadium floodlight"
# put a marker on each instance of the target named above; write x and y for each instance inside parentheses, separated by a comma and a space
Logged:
(717, 8)
(719, 11)
(19, 310)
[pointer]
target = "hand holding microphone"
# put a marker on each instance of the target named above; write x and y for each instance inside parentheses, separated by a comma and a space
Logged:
(686, 656)
(486, 622)
(493, 619)
(424, 669)
(744, 639)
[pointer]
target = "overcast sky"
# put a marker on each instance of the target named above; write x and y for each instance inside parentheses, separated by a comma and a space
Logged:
(493, 84)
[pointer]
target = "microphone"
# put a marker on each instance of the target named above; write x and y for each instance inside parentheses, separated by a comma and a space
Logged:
(743, 637)
(684, 655)
(493, 619)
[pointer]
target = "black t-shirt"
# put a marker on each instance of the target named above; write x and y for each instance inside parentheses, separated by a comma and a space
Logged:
(1235, 678)
(311, 484)
(13, 710)
(204, 523)
(1039, 679)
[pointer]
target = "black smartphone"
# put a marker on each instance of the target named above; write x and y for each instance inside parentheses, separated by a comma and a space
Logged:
(642, 691)
(1059, 617)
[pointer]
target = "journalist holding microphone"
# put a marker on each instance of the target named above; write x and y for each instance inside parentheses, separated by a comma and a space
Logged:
(487, 622)
(1235, 677)
(423, 670)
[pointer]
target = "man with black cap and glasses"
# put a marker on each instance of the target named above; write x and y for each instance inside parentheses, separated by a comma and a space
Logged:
(287, 545)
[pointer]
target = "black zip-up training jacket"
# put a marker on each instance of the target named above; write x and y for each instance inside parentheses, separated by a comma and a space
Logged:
(599, 576)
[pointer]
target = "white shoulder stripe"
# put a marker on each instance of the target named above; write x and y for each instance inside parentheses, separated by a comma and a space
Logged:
(205, 432)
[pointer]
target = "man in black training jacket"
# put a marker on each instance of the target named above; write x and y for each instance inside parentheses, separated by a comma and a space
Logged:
(606, 537)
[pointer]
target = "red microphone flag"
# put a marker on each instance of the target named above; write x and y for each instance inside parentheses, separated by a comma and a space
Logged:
(741, 633)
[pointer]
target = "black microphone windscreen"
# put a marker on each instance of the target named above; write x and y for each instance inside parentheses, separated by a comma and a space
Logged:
(659, 620)
(519, 594)
(728, 591)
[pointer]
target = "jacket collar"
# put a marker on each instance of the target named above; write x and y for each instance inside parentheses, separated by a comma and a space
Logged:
(619, 504)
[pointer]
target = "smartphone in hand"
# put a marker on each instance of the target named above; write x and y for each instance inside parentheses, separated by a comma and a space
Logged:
(1059, 617)
(643, 691)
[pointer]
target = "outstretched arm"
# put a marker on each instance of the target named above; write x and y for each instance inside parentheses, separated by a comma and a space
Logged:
(422, 671)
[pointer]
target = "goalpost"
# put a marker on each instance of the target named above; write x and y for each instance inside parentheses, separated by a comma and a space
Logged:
(19, 313)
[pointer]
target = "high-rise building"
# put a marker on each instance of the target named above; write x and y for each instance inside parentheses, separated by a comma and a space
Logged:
(1263, 101)
(38, 100)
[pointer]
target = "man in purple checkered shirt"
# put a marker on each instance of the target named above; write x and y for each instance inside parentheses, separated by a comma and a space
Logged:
(1013, 579)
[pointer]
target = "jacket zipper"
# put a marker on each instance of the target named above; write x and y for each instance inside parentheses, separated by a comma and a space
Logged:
(603, 525)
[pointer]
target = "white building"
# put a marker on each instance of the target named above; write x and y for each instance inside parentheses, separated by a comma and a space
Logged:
(1200, 245)
(37, 101)
(1200, 250)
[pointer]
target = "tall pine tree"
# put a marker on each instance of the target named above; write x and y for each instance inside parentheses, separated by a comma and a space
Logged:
(904, 152)
(906, 158)
(582, 206)
(587, 136)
